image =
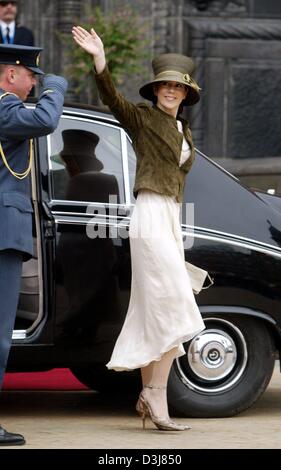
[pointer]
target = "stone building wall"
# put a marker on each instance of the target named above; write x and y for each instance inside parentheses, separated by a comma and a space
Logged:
(237, 48)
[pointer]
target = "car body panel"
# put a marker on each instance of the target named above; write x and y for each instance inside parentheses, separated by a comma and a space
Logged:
(229, 230)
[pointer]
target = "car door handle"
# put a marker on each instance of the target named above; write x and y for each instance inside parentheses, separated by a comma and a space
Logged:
(47, 211)
(49, 224)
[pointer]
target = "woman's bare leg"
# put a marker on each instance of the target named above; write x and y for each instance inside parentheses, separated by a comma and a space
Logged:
(156, 374)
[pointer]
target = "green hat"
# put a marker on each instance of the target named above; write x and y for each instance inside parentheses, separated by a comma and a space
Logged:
(175, 68)
(26, 56)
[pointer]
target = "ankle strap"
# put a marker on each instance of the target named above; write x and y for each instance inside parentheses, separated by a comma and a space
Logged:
(153, 387)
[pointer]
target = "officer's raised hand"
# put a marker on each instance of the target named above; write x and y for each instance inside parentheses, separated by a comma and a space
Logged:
(51, 81)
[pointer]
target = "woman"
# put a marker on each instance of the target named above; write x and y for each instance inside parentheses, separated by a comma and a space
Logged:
(162, 313)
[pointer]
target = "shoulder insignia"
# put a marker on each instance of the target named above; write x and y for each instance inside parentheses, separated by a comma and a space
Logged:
(6, 94)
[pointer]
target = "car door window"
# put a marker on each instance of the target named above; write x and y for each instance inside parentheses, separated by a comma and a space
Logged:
(86, 162)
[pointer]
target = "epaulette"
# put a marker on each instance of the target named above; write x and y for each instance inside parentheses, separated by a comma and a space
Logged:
(7, 93)
(46, 92)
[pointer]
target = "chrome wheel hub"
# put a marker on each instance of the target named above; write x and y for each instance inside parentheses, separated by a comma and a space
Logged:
(216, 358)
(212, 355)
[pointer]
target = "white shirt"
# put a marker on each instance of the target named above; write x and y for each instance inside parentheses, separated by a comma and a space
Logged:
(185, 151)
(12, 27)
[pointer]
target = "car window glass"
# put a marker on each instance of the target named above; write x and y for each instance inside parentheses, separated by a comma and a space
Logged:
(221, 203)
(86, 162)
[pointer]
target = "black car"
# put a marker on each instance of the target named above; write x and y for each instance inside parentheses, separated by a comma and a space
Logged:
(75, 291)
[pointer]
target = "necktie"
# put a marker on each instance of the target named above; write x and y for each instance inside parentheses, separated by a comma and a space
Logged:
(8, 39)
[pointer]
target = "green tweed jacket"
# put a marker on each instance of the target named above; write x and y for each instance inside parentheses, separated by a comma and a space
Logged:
(156, 141)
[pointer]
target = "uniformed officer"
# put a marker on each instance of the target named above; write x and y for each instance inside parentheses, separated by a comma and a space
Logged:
(18, 125)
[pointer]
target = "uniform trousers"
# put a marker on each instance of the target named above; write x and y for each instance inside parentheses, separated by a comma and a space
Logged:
(10, 280)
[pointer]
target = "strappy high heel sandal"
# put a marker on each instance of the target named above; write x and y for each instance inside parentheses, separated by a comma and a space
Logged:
(144, 409)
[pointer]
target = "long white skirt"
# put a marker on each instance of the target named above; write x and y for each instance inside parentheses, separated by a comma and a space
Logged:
(162, 312)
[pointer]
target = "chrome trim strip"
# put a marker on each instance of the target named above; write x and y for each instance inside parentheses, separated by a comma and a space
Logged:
(23, 334)
(228, 235)
(49, 146)
(253, 247)
(113, 123)
(68, 202)
(50, 185)
(92, 116)
(230, 309)
(195, 235)
(125, 166)
(88, 222)
(88, 217)
(19, 334)
(217, 165)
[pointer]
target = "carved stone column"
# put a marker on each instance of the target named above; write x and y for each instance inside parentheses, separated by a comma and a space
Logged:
(69, 12)
(160, 12)
(197, 49)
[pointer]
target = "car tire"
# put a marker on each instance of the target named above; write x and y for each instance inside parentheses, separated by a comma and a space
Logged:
(225, 370)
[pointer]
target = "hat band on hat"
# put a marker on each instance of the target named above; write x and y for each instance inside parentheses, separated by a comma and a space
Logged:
(173, 75)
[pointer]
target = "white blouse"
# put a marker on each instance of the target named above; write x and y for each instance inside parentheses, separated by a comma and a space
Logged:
(185, 151)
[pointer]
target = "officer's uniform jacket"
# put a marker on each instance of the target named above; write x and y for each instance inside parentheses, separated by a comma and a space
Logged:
(17, 125)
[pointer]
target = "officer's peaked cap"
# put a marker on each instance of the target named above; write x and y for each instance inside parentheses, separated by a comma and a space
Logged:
(26, 56)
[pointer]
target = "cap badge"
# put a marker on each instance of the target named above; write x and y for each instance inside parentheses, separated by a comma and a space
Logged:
(38, 60)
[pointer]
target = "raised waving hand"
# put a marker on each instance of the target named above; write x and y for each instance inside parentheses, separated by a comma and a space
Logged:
(92, 44)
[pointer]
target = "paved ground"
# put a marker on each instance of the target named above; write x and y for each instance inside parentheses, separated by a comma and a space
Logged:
(85, 420)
